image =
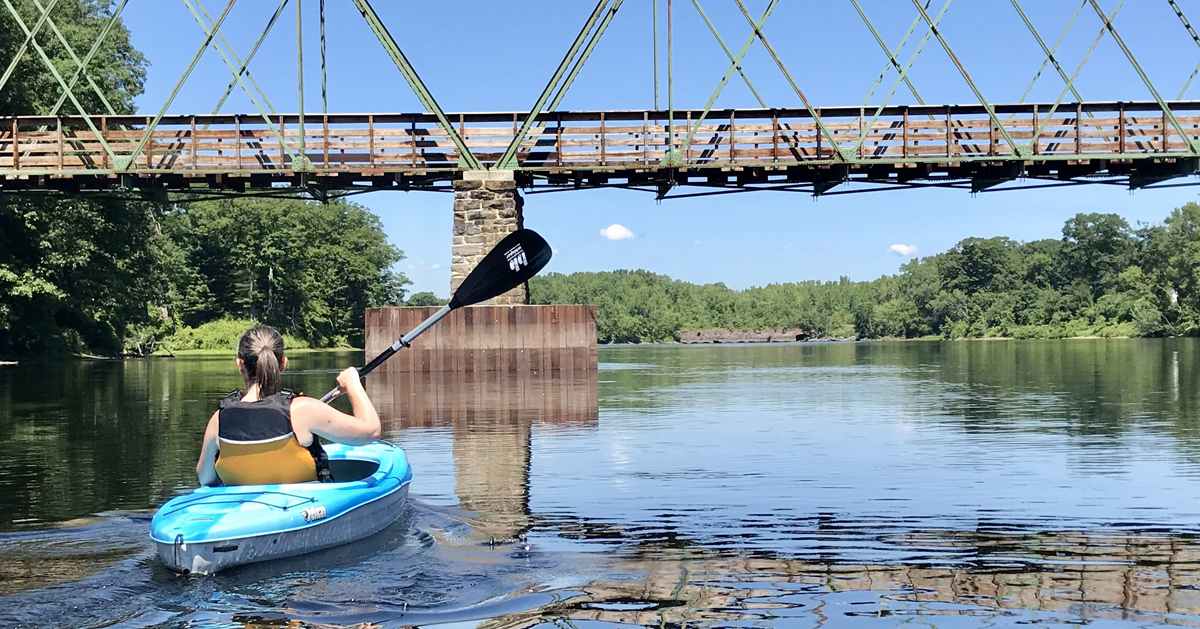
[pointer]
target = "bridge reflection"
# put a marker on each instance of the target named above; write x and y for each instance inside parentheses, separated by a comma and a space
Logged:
(491, 416)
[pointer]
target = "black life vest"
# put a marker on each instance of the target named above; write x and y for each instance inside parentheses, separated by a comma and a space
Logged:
(258, 446)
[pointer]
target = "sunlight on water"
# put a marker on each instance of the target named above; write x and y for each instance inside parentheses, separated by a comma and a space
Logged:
(946, 483)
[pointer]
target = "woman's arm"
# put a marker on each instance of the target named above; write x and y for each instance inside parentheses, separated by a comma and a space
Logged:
(206, 469)
(322, 419)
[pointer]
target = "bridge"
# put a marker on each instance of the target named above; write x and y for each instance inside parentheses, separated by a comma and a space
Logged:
(957, 146)
(672, 152)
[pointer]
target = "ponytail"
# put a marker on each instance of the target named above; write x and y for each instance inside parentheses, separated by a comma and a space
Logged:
(261, 351)
(267, 373)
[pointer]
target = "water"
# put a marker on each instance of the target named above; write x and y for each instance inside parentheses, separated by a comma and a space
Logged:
(952, 484)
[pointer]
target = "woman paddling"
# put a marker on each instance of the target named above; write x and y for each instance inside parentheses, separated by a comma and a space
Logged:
(267, 435)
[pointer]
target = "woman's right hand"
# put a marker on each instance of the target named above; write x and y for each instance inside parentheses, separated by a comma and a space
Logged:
(349, 380)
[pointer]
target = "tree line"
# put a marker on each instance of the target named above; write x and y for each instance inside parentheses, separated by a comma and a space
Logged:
(1103, 277)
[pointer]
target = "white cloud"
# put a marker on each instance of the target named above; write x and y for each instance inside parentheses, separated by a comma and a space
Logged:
(617, 231)
(903, 250)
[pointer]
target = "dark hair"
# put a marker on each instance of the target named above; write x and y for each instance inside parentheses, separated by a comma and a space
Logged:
(261, 351)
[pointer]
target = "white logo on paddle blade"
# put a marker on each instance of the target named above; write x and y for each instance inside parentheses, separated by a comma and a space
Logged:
(516, 258)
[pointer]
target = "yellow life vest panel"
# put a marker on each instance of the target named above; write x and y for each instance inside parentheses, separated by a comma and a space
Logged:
(257, 446)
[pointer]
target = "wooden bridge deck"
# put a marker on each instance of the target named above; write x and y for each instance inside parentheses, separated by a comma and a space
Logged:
(730, 147)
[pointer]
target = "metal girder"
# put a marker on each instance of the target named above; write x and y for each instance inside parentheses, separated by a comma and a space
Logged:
(414, 81)
(1087, 56)
(1187, 25)
(735, 63)
(1145, 78)
(1053, 49)
(58, 77)
(912, 59)
(1047, 51)
(240, 75)
(250, 57)
(886, 51)
(87, 59)
(141, 145)
(587, 52)
(91, 54)
(967, 77)
(792, 82)
(509, 157)
(29, 37)
(74, 57)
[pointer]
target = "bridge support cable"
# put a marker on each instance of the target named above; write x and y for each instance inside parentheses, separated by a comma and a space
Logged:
(735, 64)
(303, 165)
(654, 47)
(833, 144)
(1187, 25)
(240, 71)
(324, 71)
(29, 37)
(422, 92)
(57, 77)
(508, 159)
(1146, 79)
(866, 127)
(670, 153)
(967, 77)
(187, 73)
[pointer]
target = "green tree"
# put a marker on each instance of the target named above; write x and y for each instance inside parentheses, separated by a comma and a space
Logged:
(74, 274)
(311, 269)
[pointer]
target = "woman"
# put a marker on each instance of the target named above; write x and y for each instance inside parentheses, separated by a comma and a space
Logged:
(267, 435)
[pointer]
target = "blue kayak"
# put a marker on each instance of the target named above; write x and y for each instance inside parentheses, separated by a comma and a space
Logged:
(213, 528)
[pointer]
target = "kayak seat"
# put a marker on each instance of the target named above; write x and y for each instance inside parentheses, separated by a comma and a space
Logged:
(350, 470)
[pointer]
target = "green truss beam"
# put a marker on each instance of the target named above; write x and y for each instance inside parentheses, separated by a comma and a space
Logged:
(1145, 77)
(967, 77)
(509, 158)
(29, 37)
(833, 144)
(418, 86)
(735, 64)
(187, 72)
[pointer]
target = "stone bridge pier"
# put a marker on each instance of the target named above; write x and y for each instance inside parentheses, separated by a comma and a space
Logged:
(487, 207)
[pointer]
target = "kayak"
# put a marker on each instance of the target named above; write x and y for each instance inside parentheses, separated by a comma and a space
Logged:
(213, 528)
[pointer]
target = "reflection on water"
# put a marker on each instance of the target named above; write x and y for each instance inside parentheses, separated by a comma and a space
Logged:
(941, 483)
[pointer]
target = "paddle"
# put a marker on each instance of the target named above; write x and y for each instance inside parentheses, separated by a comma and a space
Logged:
(515, 259)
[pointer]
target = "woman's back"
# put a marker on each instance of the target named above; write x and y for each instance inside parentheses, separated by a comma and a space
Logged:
(258, 445)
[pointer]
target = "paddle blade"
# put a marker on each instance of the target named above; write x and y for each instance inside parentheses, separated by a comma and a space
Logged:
(515, 259)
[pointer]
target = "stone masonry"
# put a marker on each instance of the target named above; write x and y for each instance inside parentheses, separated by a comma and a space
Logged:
(487, 207)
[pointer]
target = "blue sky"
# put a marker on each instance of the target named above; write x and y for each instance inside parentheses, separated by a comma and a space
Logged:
(477, 55)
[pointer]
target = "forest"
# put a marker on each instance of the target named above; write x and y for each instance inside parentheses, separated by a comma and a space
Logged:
(1103, 277)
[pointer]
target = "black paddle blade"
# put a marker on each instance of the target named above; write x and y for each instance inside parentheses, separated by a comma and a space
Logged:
(515, 259)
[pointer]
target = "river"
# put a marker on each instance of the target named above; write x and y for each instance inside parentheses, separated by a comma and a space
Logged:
(950, 484)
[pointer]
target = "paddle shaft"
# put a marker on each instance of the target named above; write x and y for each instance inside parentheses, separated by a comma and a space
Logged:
(400, 344)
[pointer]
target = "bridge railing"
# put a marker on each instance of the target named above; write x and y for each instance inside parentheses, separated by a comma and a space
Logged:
(381, 144)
